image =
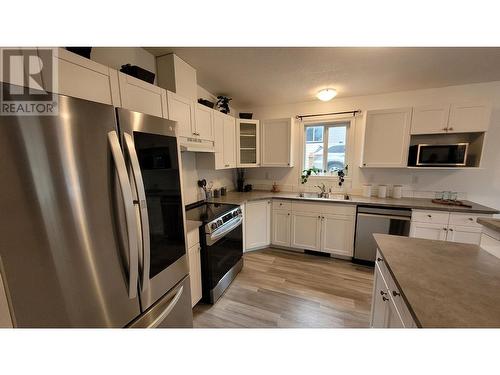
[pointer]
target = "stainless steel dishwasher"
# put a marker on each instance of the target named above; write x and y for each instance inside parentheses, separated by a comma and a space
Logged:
(373, 219)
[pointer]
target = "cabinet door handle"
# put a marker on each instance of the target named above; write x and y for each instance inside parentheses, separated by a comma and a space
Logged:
(384, 298)
(288, 214)
(445, 128)
(380, 260)
(319, 217)
(429, 216)
(450, 128)
(471, 219)
(395, 294)
(445, 229)
(451, 230)
(382, 293)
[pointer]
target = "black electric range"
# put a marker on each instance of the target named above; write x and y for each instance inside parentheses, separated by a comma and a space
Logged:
(221, 240)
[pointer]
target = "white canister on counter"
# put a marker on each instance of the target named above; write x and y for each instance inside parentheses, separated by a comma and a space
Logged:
(397, 191)
(367, 190)
(382, 191)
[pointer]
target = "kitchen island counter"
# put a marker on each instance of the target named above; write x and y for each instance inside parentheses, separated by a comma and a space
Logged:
(444, 284)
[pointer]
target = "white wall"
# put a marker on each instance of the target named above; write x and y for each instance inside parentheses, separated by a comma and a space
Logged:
(191, 175)
(482, 186)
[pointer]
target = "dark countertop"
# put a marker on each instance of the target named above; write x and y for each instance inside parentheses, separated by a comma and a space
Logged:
(445, 284)
(493, 224)
(415, 203)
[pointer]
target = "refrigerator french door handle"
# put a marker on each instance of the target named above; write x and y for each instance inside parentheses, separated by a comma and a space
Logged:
(130, 216)
(143, 209)
(160, 318)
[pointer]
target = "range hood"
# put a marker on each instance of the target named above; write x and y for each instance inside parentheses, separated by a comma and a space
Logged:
(196, 145)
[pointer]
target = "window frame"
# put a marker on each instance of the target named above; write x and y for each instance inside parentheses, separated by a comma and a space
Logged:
(327, 123)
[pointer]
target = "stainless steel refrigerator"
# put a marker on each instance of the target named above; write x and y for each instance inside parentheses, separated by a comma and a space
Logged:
(91, 219)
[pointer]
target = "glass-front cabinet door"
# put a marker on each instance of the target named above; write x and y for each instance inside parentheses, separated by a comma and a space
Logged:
(248, 143)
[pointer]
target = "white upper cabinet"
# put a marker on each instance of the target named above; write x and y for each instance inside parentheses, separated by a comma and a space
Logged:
(181, 110)
(429, 119)
(387, 138)
(247, 142)
(469, 117)
(175, 75)
(141, 96)
(85, 79)
(277, 139)
(204, 122)
(455, 118)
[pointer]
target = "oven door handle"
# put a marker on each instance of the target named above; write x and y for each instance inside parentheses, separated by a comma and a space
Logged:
(218, 235)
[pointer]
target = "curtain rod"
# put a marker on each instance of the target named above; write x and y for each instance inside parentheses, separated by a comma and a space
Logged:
(354, 113)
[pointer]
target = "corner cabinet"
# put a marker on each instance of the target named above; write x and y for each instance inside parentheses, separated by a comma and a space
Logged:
(277, 141)
(257, 219)
(247, 143)
(387, 138)
(140, 96)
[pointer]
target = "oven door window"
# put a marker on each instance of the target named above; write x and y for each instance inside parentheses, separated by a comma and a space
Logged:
(160, 171)
(224, 254)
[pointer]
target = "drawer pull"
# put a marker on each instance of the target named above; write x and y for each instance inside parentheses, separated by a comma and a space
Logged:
(451, 230)
(445, 229)
(395, 294)
(382, 293)
(429, 216)
(471, 219)
(380, 260)
(385, 299)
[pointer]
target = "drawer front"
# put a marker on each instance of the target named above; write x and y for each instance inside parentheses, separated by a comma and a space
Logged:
(325, 208)
(339, 209)
(465, 219)
(434, 217)
(281, 204)
(193, 237)
(306, 207)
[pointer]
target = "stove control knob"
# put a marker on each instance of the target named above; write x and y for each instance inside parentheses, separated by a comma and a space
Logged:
(235, 213)
(219, 222)
(213, 226)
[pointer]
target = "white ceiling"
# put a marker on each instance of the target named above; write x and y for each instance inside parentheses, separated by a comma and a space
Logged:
(267, 76)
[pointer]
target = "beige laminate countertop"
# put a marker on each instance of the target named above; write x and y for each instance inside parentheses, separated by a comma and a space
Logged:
(416, 203)
(445, 284)
(493, 224)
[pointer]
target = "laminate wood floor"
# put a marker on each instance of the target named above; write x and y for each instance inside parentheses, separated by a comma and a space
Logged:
(279, 288)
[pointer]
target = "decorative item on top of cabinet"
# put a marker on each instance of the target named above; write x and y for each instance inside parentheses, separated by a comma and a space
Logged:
(222, 104)
(277, 140)
(387, 138)
(138, 72)
(248, 143)
(138, 95)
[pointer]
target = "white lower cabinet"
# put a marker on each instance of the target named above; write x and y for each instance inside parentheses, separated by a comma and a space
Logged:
(444, 226)
(337, 234)
(388, 308)
(280, 228)
(324, 227)
(257, 219)
(306, 230)
(194, 260)
(490, 241)
(428, 231)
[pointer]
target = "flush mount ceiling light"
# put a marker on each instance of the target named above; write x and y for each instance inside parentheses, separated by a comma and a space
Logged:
(326, 94)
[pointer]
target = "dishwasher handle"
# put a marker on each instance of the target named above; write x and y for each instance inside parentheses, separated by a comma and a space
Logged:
(394, 217)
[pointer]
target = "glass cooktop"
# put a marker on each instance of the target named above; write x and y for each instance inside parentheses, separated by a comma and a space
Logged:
(206, 212)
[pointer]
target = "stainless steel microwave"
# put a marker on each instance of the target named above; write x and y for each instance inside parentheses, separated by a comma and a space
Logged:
(436, 155)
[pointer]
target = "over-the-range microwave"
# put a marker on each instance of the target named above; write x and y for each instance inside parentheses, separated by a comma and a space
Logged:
(436, 155)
